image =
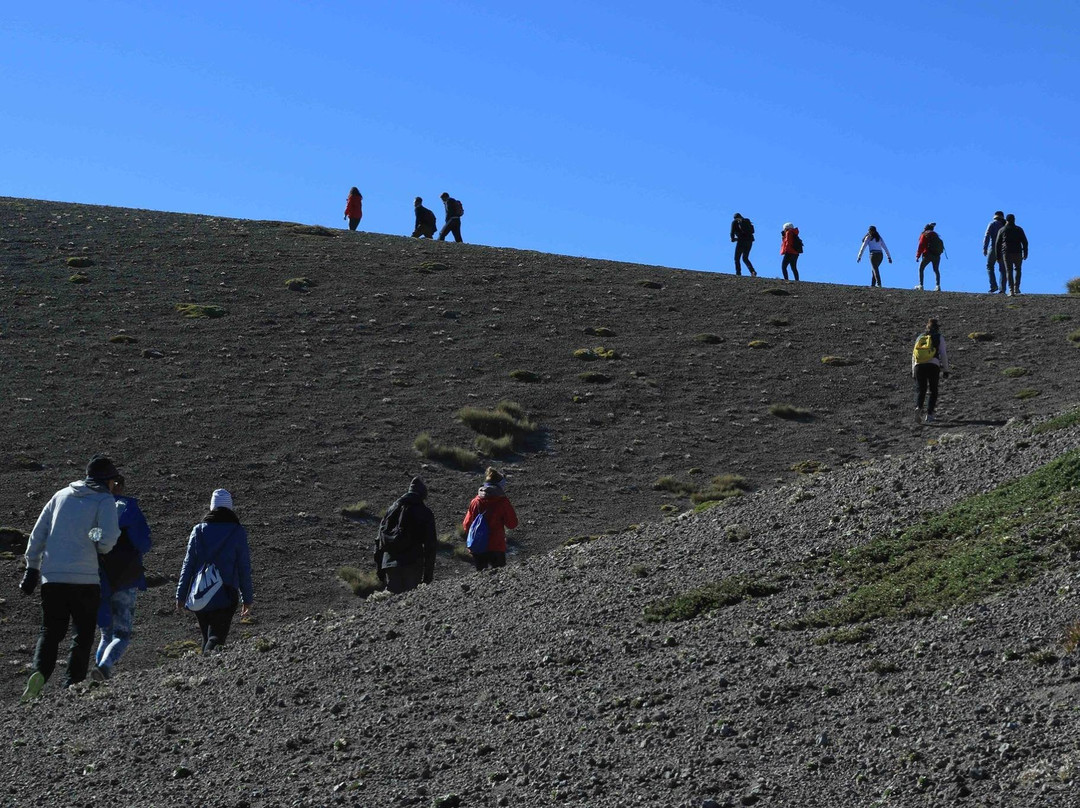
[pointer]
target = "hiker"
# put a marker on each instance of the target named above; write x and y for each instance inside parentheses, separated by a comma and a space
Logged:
(930, 249)
(354, 207)
(791, 246)
(425, 221)
(216, 572)
(406, 544)
(77, 524)
(990, 251)
(742, 235)
(929, 360)
(876, 244)
(492, 514)
(1011, 247)
(454, 211)
(121, 580)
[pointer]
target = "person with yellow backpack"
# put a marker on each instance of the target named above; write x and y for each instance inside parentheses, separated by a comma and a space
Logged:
(929, 361)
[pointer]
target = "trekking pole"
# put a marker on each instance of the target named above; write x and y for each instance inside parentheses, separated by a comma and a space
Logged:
(946, 254)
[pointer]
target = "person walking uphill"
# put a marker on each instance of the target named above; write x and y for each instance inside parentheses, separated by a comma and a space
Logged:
(216, 572)
(742, 235)
(1011, 247)
(406, 544)
(990, 251)
(78, 524)
(876, 245)
(454, 211)
(929, 360)
(354, 207)
(121, 580)
(930, 249)
(791, 247)
(489, 516)
(425, 220)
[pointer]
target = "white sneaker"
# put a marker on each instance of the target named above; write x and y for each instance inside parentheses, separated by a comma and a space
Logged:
(919, 287)
(937, 288)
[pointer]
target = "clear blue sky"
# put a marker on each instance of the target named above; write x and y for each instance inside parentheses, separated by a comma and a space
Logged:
(625, 130)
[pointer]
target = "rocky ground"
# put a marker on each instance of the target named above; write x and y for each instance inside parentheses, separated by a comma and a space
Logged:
(542, 683)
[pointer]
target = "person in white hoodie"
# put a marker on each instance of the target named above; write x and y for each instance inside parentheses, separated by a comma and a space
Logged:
(77, 524)
(876, 244)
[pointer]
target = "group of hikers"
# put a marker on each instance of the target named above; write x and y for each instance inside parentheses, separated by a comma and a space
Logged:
(1004, 244)
(425, 226)
(87, 547)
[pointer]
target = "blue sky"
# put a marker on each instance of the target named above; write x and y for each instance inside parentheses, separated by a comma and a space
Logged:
(623, 130)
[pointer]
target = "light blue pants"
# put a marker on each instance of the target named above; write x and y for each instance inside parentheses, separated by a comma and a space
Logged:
(116, 637)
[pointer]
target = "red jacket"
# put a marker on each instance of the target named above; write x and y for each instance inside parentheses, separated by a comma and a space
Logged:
(354, 207)
(500, 513)
(786, 247)
(939, 245)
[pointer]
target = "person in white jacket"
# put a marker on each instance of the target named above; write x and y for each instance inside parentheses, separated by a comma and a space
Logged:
(77, 524)
(876, 244)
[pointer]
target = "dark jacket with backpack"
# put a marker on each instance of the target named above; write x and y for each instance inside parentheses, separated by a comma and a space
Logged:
(407, 536)
(122, 567)
(930, 243)
(742, 230)
(454, 208)
(1011, 240)
(425, 222)
(219, 539)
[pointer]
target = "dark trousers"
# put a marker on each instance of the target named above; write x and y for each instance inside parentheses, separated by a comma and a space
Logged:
(61, 605)
(790, 260)
(926, 377)
(930, 259)
(742, 252)
(214, 625)
(452, 226)
(403, 578)
(1011, 264)
(876, 257)
(992, 264)
(353, 223)
(485, 560)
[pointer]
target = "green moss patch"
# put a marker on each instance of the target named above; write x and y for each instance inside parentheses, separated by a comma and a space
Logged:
(981, 336)
(1027, 392)
(791, 413)
(429, 267)
(122, 339)
(708, 598)
(199, 310)
(1014, 373)
(526, 376)
(599, 331)
(758, 344)
(708, 338)
(79, 262)
(79, 277)
(1063, 421)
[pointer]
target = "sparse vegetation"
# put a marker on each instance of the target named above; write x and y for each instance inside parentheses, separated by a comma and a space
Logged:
(1074, 336)
(495, 447)
(503, 429)
(723, 486)
(197, 310)
(696, 602)
(984, 544)
(1026, 393)
(1063, 421)
(790, 413)
(1060, 318)
(428, 267)
(574, 541)
(775, 290)
(981, 336)
(526, 376)
(650, 284)
(313, 230)
(837, 361)
(809, 467)
(361, 582)
(79, 277)
(593, 354)
(80, 262)
(299, 284)
(1014, 373)
(359, 512)
(452, 456)
(675, 486)
(122, 339)
(758, 343)
(600, 331)
(179, 648)
(1071, 638)
(1073, 286)
(708, 338)
(594, 378)
(845, 636)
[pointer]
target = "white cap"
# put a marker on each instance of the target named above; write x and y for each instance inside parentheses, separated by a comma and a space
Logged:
(221, 499)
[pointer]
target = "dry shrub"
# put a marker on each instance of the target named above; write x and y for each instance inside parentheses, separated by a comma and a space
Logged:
(361, 582)
(452, 456)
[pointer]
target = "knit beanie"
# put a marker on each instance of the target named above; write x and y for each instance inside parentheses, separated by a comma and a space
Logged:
(416, 486)
(221, 499)
(100, 469)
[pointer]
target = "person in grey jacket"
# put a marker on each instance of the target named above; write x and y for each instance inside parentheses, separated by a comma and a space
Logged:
(77, 524)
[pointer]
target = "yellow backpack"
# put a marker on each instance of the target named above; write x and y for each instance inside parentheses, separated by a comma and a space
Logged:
(924, 349)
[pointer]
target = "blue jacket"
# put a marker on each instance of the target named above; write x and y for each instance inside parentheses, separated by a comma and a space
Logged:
(221, 539)
(133, 523)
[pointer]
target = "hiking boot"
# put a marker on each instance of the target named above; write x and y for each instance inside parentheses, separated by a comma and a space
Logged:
(937, 288)
(34, 686)
(929, 418)
(918, 415)
(99, 674)
(753, 274)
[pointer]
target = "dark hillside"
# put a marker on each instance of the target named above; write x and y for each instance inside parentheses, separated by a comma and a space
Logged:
(304, 401)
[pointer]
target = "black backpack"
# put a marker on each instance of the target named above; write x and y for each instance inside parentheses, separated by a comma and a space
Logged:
(746, 228)
(393, 536)
(795, 242)
(122, 565)
(457, 209)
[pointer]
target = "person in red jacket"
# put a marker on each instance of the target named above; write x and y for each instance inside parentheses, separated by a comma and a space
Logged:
(354, 207)
(499, 514)
(791, 246)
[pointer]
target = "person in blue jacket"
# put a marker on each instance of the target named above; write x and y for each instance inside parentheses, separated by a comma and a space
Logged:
(122, 579)
(219, 540)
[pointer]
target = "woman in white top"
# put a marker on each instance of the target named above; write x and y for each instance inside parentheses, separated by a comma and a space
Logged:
(874, 241)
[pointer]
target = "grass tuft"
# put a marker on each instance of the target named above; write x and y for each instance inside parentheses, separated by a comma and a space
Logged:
(705, 599)
(721, 487)
(650, 284)
(1073, 286)
(428, 267)
(675, 486)
(775, 290)
(526, 376)
(837, 361)
(708, 339)
(791, 413)
(197, 310)
(1014, 373)
(80, 262)
(809, 467)
(981, 336)
(495, 447)
(452, 456)
(600, 331)
(299, 284)
(359, 512)
(1060, 318)
(1063, 421)
(1027, 392)
(361, 582)
(502, 430)
(79, 277)
(313, 230)
(758, 343)
(1074, 337)
(122, 339)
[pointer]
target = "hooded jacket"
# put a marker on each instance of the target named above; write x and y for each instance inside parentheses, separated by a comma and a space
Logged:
(60, 545)
(491, 500)
(924, 245)
(990, 237)
(425, 222)
(354, 206)
(1011, 240)
(418, 524)
(221, 539)
(739, 230)
(787, 242)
